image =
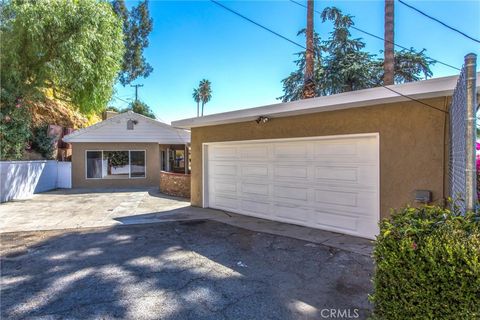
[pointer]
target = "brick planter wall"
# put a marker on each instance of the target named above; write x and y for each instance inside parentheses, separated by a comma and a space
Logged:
(175, 184)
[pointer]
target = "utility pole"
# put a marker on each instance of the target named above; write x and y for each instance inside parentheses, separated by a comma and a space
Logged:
(309, 81)
(136, 86)
(389, 54)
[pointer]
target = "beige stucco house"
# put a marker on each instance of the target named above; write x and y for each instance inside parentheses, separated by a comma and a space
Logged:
(338, 162)
(127, 150)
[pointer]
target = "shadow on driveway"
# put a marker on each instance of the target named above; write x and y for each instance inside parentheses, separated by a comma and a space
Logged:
(177, 270)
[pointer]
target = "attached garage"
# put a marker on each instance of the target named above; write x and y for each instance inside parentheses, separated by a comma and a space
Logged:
(321, 182)
(338, 162)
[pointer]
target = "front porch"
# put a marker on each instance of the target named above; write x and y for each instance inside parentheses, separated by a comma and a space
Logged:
(175, 170)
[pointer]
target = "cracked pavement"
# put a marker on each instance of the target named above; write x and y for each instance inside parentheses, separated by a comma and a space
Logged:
(195, 269)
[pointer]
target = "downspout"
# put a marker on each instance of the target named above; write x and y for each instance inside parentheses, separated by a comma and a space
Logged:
(470, 136)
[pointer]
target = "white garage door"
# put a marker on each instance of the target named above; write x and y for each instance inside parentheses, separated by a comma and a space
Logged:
(329, 183)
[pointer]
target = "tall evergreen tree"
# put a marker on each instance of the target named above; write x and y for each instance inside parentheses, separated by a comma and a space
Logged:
(137, 25)
(342, 65)
(347, 66)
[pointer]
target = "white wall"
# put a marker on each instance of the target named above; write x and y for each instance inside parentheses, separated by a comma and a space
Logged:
(21, 179)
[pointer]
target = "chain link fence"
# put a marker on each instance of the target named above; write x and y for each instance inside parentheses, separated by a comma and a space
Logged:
(462, 171)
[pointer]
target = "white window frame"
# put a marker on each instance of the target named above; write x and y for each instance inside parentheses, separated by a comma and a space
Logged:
(129, 163)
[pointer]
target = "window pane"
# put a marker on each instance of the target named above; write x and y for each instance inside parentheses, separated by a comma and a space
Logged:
(137, 164)
(94, 164)
(115, 165)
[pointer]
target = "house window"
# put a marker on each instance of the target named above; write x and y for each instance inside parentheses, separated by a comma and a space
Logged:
(137, 164)
(94, 164)
(115, 164)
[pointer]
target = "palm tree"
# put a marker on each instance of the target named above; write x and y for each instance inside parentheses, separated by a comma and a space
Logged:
(389, 57)
(309, 84)
(197, 98)
(205, 92)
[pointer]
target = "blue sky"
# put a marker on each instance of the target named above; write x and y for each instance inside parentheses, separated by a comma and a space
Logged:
(192, 40)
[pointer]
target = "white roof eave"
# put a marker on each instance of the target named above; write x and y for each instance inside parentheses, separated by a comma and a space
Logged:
(438, 87)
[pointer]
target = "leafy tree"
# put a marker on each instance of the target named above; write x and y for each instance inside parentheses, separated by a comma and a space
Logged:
(137, 25)
(293, 84)
(205, 92)
(197, 99)
(346, 66)
(72, 47)
(341, 64)
(141, 108)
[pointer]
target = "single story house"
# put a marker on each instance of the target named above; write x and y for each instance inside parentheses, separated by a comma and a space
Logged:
(338, 162)
(127, 150)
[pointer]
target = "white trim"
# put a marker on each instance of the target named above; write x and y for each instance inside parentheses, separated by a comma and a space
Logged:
(76, 136)
(204, 174)
(432, 88)
(338, 136)
(129, 163)
(205, 146)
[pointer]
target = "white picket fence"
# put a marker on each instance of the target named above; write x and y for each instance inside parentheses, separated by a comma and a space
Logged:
(22, 179)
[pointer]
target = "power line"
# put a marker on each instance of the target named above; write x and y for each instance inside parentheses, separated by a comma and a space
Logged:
(117, 98)
(303, 47)
(439, 21)
(380, 38)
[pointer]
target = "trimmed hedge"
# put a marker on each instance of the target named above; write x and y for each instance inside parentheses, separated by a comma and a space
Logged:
(427, 265)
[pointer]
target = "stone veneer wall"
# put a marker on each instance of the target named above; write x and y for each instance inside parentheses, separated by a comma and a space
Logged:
(175, 184)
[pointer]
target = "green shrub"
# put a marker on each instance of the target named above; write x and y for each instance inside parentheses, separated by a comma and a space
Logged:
(427, 265)
(14, 127)
(42, 143)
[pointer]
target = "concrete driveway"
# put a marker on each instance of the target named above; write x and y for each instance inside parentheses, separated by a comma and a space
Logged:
(178, 270)
(137, 254)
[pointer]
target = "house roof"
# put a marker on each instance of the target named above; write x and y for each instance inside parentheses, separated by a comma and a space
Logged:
(426, 89)
(114, 129)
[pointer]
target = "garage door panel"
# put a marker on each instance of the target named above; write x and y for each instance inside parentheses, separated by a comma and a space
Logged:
(291, 213)
(257, 171)
(329, 184)
(225, 202)
(224, 153)
(289, 150)
(253, 152)
(224, 170)
(336, 198)
(323, 149)
(256, 208)
(337, 221)
(290, 193)
(255, 188)
(283, 171)
(224, 187)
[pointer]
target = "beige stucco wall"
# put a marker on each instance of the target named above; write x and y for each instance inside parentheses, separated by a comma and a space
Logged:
(152, 163)
(412, 153)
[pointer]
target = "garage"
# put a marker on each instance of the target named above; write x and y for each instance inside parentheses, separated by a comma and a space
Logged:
(330, 183)
(340, 162)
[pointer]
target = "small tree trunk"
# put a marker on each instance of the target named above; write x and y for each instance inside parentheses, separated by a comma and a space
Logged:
(198, 109)
(203, 103)
(389, 57)
(309, 81)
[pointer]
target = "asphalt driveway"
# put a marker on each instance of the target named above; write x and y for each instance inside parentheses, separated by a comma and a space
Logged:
(194, 269)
